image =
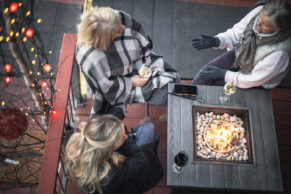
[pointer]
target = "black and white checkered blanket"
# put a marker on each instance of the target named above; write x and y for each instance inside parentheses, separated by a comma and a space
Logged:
(108, 74)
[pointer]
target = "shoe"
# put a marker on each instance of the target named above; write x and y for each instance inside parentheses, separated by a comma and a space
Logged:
(164, 117)
(145, 120)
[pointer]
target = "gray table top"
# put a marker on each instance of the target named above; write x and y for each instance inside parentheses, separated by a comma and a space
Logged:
(263, 175)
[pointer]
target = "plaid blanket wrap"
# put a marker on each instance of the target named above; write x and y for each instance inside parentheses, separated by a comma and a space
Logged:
(108, 73)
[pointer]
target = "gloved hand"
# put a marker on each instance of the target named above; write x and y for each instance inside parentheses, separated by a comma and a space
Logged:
(205, 42)
(212, 73)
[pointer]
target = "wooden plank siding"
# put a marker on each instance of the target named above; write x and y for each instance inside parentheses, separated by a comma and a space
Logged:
(281, 98)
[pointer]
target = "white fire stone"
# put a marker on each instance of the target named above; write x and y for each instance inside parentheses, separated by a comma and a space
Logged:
(208, 119)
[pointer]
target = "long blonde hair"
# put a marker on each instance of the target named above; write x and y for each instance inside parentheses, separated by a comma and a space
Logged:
(98, 27)
(88, 152)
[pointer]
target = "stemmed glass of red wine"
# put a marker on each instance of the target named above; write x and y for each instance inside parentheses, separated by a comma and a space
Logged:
(181, 160)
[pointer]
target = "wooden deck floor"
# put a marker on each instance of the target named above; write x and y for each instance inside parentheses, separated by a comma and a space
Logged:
(281, 106)
(166, 38)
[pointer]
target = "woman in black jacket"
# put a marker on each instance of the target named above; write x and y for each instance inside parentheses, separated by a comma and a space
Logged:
(104, 159)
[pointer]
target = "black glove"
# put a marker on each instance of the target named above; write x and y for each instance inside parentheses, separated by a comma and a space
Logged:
(205, 42)
(212, 73)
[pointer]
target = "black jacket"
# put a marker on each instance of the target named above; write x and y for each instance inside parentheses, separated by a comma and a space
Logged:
(140, 171)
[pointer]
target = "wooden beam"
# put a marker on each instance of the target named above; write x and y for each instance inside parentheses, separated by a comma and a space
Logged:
(49, 167)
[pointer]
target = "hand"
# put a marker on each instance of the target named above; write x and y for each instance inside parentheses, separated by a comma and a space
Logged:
(212, 73)
(205, 42)
(139, 81)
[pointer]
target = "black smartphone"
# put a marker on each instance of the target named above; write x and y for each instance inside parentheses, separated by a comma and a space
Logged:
(186, 90)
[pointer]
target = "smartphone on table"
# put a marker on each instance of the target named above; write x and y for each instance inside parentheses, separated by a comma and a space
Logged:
(185, 90)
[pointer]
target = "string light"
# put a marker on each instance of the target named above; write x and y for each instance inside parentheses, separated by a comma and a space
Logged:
(13, 7)
(7, 79)
(7, 68)
(23, 34)
(54, 113)
(29, 32)
(43, 84)
(47, 68)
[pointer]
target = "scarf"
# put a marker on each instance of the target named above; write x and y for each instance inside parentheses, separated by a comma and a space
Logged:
(249, 43)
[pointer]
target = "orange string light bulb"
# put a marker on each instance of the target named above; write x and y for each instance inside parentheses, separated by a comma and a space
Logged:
(7, 68)
(13, 7)
(29, 32)
(7, 79)
(43, 84)
(54, 113)
(47, 67)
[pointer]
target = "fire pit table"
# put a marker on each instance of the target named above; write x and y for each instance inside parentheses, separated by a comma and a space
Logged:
(230, 146)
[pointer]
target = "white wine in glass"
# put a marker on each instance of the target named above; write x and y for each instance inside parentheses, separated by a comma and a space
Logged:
(145, 71)
(229, 89)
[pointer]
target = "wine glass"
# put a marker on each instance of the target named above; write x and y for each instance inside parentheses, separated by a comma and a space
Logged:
(229, 89)
(181, 160)
(145, 71)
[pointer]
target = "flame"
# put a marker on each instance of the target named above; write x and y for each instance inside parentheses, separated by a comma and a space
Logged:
(221, 136)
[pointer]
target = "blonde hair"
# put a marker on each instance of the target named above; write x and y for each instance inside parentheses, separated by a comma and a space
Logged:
(98, 27)
(88, 152)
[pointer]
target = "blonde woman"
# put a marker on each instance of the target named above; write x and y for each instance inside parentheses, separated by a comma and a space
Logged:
(104, 159)
(111, 47)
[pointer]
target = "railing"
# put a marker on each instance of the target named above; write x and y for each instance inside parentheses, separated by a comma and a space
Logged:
(53, 177)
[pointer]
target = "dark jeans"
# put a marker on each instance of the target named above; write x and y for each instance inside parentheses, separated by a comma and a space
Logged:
(224, 61)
